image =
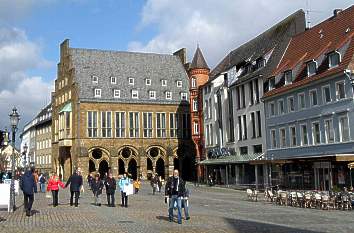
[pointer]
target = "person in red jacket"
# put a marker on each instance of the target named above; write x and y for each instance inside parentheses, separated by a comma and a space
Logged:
(53, 185)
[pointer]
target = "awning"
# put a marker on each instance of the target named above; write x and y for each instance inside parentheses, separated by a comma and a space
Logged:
(66, 108)
(232, 159)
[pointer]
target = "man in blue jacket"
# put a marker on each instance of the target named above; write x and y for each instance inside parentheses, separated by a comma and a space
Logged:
(75, 182)
(28, 186)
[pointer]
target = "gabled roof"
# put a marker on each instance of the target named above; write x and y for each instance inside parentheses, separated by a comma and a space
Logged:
(334, 34)
(198, 61)
(276, 38)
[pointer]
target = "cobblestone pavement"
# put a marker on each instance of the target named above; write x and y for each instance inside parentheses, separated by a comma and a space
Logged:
(212, 210)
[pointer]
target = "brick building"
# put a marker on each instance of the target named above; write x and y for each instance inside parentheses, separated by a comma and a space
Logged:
(121, 111)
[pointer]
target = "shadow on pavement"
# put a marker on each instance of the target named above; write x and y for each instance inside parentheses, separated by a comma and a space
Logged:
(165, 218)
(2, 219)
(241, 226)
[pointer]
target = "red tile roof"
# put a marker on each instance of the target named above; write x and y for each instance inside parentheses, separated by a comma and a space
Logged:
(325, 37)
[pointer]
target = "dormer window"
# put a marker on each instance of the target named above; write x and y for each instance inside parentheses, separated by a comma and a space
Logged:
(260, 62)
(271, 83)
(97, 93)
(113, 80)
(116, 93)
(94, 79)
(164, 82)
(288, 77)
(311, 68)
(147, 82)
(131, 81)
(179, 83)
(135, 94)
(168, 95)
(333, 59)
(152, 94)
(194, 82)
(184, 96)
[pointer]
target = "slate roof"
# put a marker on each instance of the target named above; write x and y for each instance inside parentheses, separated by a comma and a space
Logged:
(125, 65)
(273, 40)
(335, 33)
(198, 61)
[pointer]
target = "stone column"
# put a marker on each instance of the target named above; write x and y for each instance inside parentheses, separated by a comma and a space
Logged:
(114, 166)
(256, 174)
(143, 162)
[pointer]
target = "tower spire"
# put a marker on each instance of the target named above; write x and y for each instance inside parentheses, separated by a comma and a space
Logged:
(198, 61)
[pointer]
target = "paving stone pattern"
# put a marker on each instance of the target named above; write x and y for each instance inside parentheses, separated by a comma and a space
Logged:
(212, 210)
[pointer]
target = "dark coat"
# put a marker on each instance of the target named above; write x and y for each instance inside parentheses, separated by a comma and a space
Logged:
(97, 187)
(75, 182)
(169, 187)
(111, 185)
(27, 183)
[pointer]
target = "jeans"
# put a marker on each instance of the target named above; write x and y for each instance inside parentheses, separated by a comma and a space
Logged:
(185, 205)
(97, 199)
(178, 200)
(124, 199)
(42, 187)
(28, 202)
(55, 197)
(110, 199)
(77, 195)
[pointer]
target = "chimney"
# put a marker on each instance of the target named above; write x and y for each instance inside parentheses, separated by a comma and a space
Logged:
(182, 54)
(336, 12)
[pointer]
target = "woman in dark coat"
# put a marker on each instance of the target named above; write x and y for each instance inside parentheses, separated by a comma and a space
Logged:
(111, 186)
(97, 186)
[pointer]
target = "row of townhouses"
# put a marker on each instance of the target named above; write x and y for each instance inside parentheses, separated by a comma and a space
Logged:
(278, 109)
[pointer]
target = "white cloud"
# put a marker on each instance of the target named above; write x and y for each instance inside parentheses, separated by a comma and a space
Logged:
(18, 55)
(218, 26)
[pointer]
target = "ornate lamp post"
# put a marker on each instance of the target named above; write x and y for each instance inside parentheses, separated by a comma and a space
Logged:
(25, 147)
(14, 119)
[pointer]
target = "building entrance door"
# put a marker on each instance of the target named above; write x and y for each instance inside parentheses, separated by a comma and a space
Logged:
(323, 176)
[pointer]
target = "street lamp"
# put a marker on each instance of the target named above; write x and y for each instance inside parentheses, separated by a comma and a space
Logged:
(25, 147)
(14, 119)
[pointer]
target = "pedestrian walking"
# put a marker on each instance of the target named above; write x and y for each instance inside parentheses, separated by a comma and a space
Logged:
(137, 184)
(42, 181)
(97, 186)
(89, 180)
(174, 190)
(159, 183)
(53, 186)
(28, 186)
(111, 187)
(75, 182)
(36, 180)
(185, 204)
(124, 181)
(154, 184)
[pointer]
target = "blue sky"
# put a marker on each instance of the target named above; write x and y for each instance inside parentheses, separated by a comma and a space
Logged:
(31, 31)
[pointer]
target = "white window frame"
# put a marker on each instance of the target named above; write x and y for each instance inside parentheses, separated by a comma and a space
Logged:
(286, 73)
(162, 131)
(123, 121)
(340, 128)
(329, 59)
(107, 130)
(270, 109)
(326, 130)
(97, 93)
(280, 137)
(299, 100)
(313, 132)
(136, 130)
(168, 95)
(148, 132)
(291, 136)
(195, 105)
(152, 95)
(94, 79)
(281, 113)
(113, 80)
(184, 96)
(324, 94)
(273, 139)
(163, 82)
(94, 123)
(288, 103)
(131, 81)
(308, 69)
(135, 92)
(311, 99)
(116, 93)
(302, 135)
(193, 82)
(148, 82)
(195, 128)
(179, 83)
(337, 93)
